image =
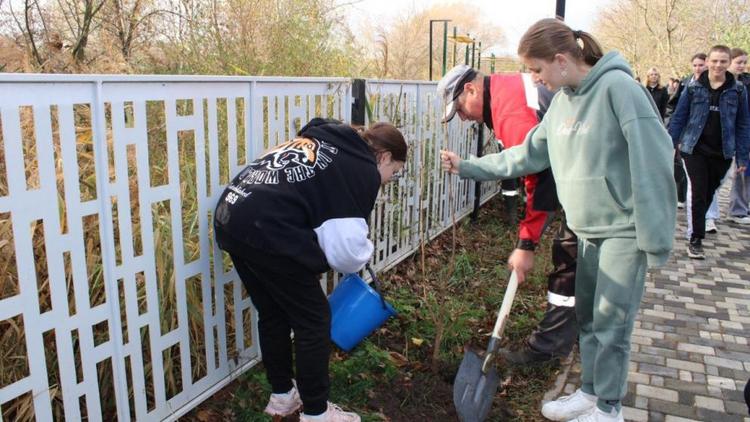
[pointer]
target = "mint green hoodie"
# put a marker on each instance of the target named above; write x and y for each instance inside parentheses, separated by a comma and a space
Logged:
(610, 155)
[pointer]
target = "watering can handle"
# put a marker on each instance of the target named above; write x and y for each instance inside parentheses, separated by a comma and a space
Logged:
(376, 284)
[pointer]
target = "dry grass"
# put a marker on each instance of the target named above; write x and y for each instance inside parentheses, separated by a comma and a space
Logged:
(13, 358)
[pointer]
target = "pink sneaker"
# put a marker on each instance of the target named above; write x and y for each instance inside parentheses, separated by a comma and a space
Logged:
(284, 404)
(333, 414)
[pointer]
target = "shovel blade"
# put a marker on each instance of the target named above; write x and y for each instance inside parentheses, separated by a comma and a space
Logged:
(473, 390)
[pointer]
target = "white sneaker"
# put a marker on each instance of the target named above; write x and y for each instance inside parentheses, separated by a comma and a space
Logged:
(569, 407)
(598, 415)
(333, 414)
(710, 225)
(740, 220)
(680, 205)
(284, 404)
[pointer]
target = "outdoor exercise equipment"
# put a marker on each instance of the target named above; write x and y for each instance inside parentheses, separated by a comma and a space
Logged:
(472, 51)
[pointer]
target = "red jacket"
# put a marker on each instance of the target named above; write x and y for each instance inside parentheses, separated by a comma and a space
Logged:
(512, 119)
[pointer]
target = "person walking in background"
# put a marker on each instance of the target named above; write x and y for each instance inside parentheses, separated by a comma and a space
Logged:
(672, 87)
(698, 64)
(611, 157)
(710, 126)
(511, 105)
(657, 91)
(290, 215)
(740, 193)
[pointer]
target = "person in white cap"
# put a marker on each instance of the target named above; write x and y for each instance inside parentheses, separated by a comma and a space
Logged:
(511, 105)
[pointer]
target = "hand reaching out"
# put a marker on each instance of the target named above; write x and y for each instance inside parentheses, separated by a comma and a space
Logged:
(450, 161)
(522, 261)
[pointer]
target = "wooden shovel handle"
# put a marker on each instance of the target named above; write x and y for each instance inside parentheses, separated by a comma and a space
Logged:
(502, 315)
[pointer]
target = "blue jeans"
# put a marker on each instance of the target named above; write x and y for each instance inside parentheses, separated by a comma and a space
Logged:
(738, 197)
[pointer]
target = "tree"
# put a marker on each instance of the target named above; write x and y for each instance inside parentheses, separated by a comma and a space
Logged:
(402, 49)
(667, 33)
(51, 30)
(125, 20)
(732, 26)
(81, 19)
(260, 37)
(28, 27)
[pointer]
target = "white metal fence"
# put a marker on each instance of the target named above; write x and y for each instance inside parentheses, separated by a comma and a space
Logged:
(115, 301)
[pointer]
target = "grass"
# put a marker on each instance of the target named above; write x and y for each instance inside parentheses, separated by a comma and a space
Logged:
(389, 377)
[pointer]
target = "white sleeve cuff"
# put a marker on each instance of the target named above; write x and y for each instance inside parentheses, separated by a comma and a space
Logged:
(345, 244)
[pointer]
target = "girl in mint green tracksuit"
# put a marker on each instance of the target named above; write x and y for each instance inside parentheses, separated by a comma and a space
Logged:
(612, 160)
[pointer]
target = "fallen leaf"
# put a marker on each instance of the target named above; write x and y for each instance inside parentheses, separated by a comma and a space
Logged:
(397, 358)
(205, 415)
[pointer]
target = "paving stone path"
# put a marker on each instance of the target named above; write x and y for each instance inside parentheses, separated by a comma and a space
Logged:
(690, 357)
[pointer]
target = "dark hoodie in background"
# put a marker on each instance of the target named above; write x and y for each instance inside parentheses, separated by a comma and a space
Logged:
(709, 143)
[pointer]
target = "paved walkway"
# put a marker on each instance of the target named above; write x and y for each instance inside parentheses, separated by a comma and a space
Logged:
(690, 356)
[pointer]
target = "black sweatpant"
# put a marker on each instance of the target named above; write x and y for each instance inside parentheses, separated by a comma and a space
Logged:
(289, 298)
(557, 332)
(705, 175)
(562, 279)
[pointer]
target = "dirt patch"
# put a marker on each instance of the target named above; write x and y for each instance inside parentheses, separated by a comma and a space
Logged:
(394, 375)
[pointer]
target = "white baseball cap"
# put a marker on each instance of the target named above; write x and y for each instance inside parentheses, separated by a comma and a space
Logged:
(452, 85)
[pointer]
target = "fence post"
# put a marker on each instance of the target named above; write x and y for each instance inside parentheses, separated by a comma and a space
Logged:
(358, 102)
(478, 185)
(119, 378)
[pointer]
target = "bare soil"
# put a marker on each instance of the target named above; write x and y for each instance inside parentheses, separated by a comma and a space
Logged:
(392, 375)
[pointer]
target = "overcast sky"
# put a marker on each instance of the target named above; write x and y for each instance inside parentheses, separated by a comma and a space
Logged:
(513, 16)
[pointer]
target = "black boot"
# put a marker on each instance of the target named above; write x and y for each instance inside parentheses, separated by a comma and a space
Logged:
(553, 339)
(526, 356)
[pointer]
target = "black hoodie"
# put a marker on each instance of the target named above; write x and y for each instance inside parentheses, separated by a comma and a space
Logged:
(710, 142)
(307, 200)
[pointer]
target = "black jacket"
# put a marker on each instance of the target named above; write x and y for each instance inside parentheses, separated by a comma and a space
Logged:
(672, 102)
(307, 200)
(661, 97)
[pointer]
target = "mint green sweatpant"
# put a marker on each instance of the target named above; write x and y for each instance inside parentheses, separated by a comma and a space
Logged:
(609, 286)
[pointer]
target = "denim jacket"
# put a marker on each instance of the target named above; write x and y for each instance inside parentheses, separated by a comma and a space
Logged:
(691, 114)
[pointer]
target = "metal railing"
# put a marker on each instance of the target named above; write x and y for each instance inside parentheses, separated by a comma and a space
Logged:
(121, 303)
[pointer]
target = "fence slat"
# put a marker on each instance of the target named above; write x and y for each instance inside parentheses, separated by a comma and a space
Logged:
(118, 256)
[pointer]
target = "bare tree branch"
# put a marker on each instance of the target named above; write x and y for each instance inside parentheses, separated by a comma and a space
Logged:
(81, 23)
(29, 32)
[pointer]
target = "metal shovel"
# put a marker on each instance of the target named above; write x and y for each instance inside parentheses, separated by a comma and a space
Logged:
(476, 381)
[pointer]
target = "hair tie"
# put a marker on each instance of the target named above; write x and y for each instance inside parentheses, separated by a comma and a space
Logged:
(577, 34)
